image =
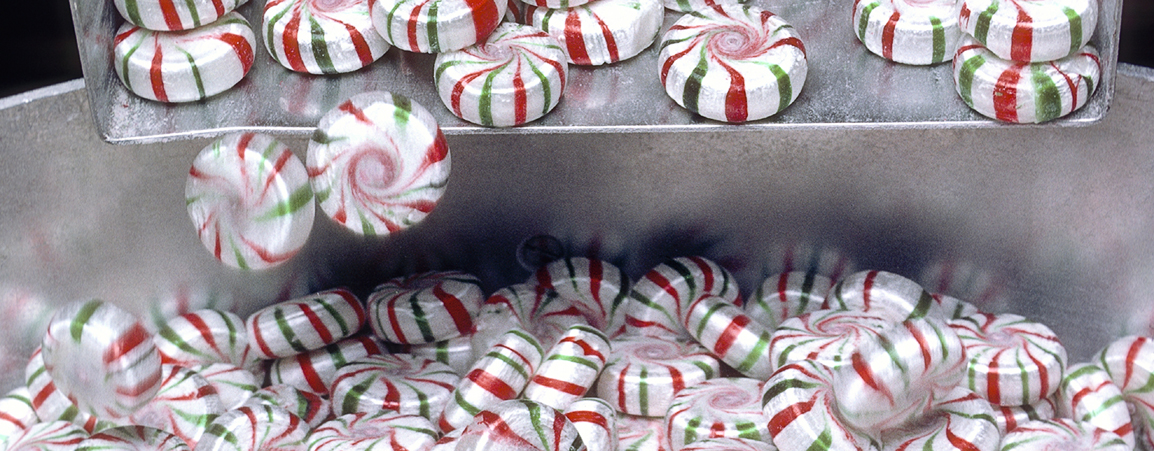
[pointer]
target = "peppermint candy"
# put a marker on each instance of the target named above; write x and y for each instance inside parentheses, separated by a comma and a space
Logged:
(133, 438)
(234, 384)
(163, 15)
(597, 289)
(787, 295)
(826, 336)
(379, 431)
(497, 376)
(1130, 363)
(255, 427)
(799, 402)
(916, 32)
(203, 337)
(435, 27)
(601, 31)
(596, 423)
(729, 444)
(725, 407)
(644, 373)
(305, 324)
(1030, 31)
(1062, 433)
(425, 308)
(48, 402)
(1087, 394)
(16, 412)
(659, 299)
(55, 435)
(397, 383)
(730, 335)
(184, 406)
(1009, 417)
(641, 433)
(570, 368)
(520, 424)
(1012, 360)
(315, 370)
(885, 294)
(960, 421)
(310, 407)
(321, 36)
(455, 352)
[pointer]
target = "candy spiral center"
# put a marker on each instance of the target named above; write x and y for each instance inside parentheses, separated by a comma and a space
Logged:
(656, 352)
(729, 399)
(734, 43)
(373, 168)
(332, 5)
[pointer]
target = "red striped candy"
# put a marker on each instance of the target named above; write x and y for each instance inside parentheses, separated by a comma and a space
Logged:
(234, 384)
(1062, 434)
(184, 66)
(799, 402)
(963, 280)
(136, 438)
(570, 368)
(425, 308)
(102, 358)
(252, 427)
(884, 294)
(455, 352)
(396, 383)
(16, 412)
(641, 433)
(918, 32)
(1009, 417)
(533, 307)
(787, 295)
(596, 422)
(305, 324)
(321, 36)
(1130, 363)
(314, 371)
(520, 424)
(48, 402)
(310, 407)
(644, 373)
(184, 406)
(731, 336)
(377, 431)
(601, 31)
(497, 376)
(960, 421)
(202, 337)
(596, 288)
(1012, 360)
(47, 436)
(826, 336)
(428, 26)
(173, 15)
(1030, 31)
(1087, 394)
(725, 407)
(660, 299)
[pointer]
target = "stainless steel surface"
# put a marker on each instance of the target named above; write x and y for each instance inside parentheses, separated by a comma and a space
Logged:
(847, 87)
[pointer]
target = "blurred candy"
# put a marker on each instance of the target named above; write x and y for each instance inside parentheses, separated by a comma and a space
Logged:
(167, 15)
(1021, 92)
(435, 27)
(730, 335)
(514, 76)
(729, 444)
(1009, 417)
(596, 422)
(48, 402)
(1130, 363)
(918, 32)
(310, 407)
(254, 427)
(787, 295)
(249, 198)
(601, 31)
(954, 308)
(597, 289)
(520, 425)
(570, 368)
(315, 370)
(378, 431)
(397, 383)
(425, 308)
(1034, 31)
(1062, 434)
(644, 373)
(133, 438)
(884, 294)
(16, 412)
(733, 63)
(378, 162)
(456, 352)
(537, 309)
(101, 358)
(305, 324)
(725, 407)
(202, 337)
(826, 336)
(234, 384)
(689, 6)
(46, 436)
(641, 433)
(321, 36)
(961, 421)
(659, 299)
(799, 402)
(1087, 394)
(184, 406)
(497, 376)
(448, 442)
(1012, 360)
(184, 66)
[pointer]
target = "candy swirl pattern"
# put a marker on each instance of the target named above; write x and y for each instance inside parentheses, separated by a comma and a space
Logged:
(960, 421)
(396, 383)
(917, 32)
(378, 431)
(321, 36)
(733, 63)
(644, 373)
(826, 336)
(425, 308)
(47, 436)
(202, 337)
(799, 402)
(138, 438)
(1061, 433)
(603, 31)
(521, 424)
(1012, 360)
(255, 427)
(1087, 394)
(660, 300)
(184, 406)
(596, 288)
(725, 407)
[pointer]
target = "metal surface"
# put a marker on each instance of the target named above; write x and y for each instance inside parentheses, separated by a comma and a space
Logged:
(847, 87)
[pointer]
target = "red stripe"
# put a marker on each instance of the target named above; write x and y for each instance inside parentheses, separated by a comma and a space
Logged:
(1006, 94)
(259, 335)
(219, 7)
(485, 17)
(459, 90)
(736, 108)
(506, 437)
(394, 320)
(317, 323)
(672, 59)
(312, 378)
(866, 288)
(352, 301)
(923, 345)
(364, 53)
(1131, 359)
(456, 309)
(520, 98)
(292, 48)
(729, 336)
(1022, 39)
(588, 416)
(993, 388)
(610, 42)
(412, 23)
(783, 419)
(677, 380)
(575, 40)
(242, 47)
(866, 374)
(560, 385)
(492, 384)
(349, 108)
(171, 17)
(126, 343)
(888, 36)
(156, 75)
(586, 349)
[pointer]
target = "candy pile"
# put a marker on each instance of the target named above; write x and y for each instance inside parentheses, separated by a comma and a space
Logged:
(576, 358)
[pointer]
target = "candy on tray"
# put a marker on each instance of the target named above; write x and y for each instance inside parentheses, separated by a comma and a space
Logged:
(314, 371)
(601, 31)
(730, 335)
(57, 435)
(397, 383)
(310, 407)
(799, 402)
(515, 76)
(787, 295)
(596, 422)
(168, 15)
(569, 368)
(1012, 360)
(436, 26)
(497, 376)
(659, 299)
(233, 383)
(826, 336)
(255, 427)
(377, 431)
(305, 324)
(960, 421)
(1030, 31)
(184, 66)
(596, 288)
(133, 438)
(321, 36)
(202, 337)
(724, 407)
(425, 308)
(101, 358)
(184, 406)
(520, 424)
(16, 412)
(1023, 92)
(378, 162)
(918, 32)
(885, 294)
(248, 196)
(644, 373)
(1061, 434)
(1087, 394)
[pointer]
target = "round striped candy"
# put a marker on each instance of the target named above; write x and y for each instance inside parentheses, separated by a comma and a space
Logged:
(1130, 363)
(1061, 434)
(826, 336)
(690, 6)
(184, 406)
(596, 288)
(731, 336)
(396, 383)
(570, 368)
(960, 421)
(16, 412)
(641, 433)
(1023, 92)
(425, 308)
(1087, 394)
(787, 295)
(962, 280)
(314, 371)
(1030, 31)
(253, 427)
(954, 308)
(537, 309)
(724, 407)
(734, 63)
(729, 444)
(101, 357)
(596, 422)
(799, 402)
(378, 162)
(47, 436)
(455, 352)
(249, 198)
(377, 431)
(513, 77)
(184, 66)
(448, 442)
(497, 376)
(601, 31)
(321, 36)
(310, 407)
(644, 373)
(435, 26)
(48, 402)
(1012, 360)
(133, 438)
(1009, 417)
(885, 294)
(918, 32)
(305, 324)
(202, 337)
(520, 424)
(659, 300)
(168, 15)
(234, 384)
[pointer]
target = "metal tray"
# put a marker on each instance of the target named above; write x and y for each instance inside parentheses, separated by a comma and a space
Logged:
(847, 87)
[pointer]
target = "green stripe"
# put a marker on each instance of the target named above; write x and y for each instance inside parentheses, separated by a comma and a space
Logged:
(389, 20)
(535, 420)
(1047, 99)
(864, 21)
(925, 301)
(642, 390)
(747, 430)
(167, 333)
(1075, 29)
(287, 330)
(133, 10)
(708, 313)
(463, 404)
(82, 316)
(785, 96)
(760, 351)
(195, 73)
(268, 40)
(966, 78)
(939, 40)
(297, 200)
(781, 387)
(527, 339)
(421, 318)
(823, 442)
(545, 88)
(691, 430)
(404, 110)
(366, 227)
(575, 359)
(485, 107)
(431, 28)
(236, 253)
(515, 365)
(693, 86)
(321, 47)
(333, 313)
(982, 28)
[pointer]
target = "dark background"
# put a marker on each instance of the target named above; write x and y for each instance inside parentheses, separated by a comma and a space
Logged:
(38, 45)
